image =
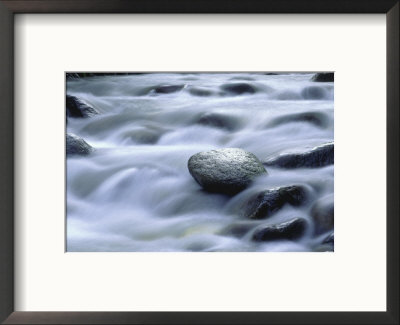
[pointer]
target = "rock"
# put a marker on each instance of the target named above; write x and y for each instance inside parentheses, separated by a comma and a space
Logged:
(238, 88)
(202, 92)
(271, 74)
(314, 92)
(317, 157)
(77, 146)
(72, 76)
(317, 118)
(219, 120)
(324, 77)
(289, 230)
(78, 75)
(329, 239)
(263, 204)
(77, 108)
(227, 171)
(143, 136)
(322, 213)
(168, 89)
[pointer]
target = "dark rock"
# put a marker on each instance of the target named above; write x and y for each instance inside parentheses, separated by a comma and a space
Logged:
(329, 239)
(238, 88)
(228, 170)
(168, 89)
(317, 118)
(201, 92)
(77, 146)
(289, 230)
(77, 75)
(322, 213)
(72, 76)
(317, 157)
(324, 77)
(263, 204)
(77, 108)
(219, 120)
(271, 74)
(314, 92)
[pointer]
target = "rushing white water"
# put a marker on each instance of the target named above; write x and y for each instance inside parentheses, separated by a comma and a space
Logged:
(134, 193)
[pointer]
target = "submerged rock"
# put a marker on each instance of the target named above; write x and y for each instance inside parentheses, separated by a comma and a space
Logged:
(288, 95)
(143, 136)
(239, 88)
(289, 230)
(317, 157)
(228, 170)
(219, 120)
(77, 108)
(239, 229)
(317, 118)
(263, 204)
(322, 213)
(77, 146)
(314, 92)
(168, 89)
(202, 92)
(324, 77)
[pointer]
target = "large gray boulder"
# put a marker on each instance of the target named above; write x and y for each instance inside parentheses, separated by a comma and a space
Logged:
(77, 146)
(320, 156)
(228, 170)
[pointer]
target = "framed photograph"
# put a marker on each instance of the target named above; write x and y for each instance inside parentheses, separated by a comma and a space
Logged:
(218, 163)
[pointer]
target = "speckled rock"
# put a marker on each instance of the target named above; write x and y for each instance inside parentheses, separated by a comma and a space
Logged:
(289, 230)
(228, 170)
(320, 156)
(77, 146)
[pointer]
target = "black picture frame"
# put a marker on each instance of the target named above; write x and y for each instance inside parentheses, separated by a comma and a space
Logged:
(8, 8)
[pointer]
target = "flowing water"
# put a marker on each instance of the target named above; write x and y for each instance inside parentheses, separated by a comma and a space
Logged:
(134, 192)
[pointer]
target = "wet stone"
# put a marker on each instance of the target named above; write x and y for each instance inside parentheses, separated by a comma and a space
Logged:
(265, 203)
(289, 230)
